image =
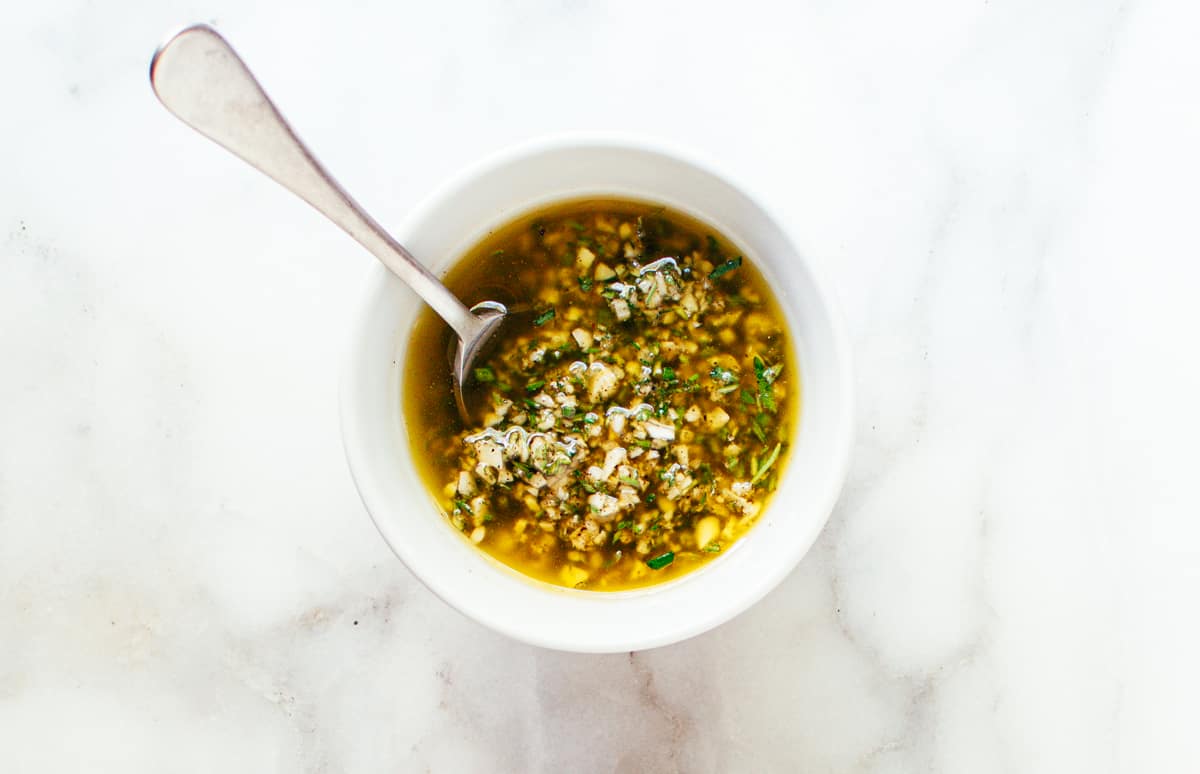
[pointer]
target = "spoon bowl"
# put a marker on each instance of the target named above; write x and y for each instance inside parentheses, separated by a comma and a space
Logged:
(492, 315)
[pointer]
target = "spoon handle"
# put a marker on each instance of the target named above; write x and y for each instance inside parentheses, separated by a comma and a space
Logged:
(199, 78)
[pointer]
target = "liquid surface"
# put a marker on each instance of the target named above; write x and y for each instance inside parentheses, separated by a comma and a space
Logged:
(636, 418)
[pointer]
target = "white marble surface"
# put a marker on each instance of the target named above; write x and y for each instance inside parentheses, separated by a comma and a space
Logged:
(1003, 193)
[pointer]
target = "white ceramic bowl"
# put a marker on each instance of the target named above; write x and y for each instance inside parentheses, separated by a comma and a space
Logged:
(373, 427)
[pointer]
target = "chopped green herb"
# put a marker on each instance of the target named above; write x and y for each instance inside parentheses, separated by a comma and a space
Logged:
(766, 464)
(766, 398)
(568, 411)
(585, 284)
(668, 374)
(485, 374)
(627, 480)
(725, 268)
(661, 561)
(535, 386)
(461, 505)
(712, 548)
(544, 317)
(719, 374)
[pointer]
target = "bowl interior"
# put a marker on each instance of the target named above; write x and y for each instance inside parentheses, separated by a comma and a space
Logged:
(377, 448)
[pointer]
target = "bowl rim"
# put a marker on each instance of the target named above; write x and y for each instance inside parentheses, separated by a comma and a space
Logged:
(842, 436)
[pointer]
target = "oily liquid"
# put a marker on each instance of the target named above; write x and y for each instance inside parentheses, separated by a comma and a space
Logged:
(510, 266)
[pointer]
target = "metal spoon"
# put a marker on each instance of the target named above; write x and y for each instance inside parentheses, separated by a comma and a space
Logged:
(198, 77)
